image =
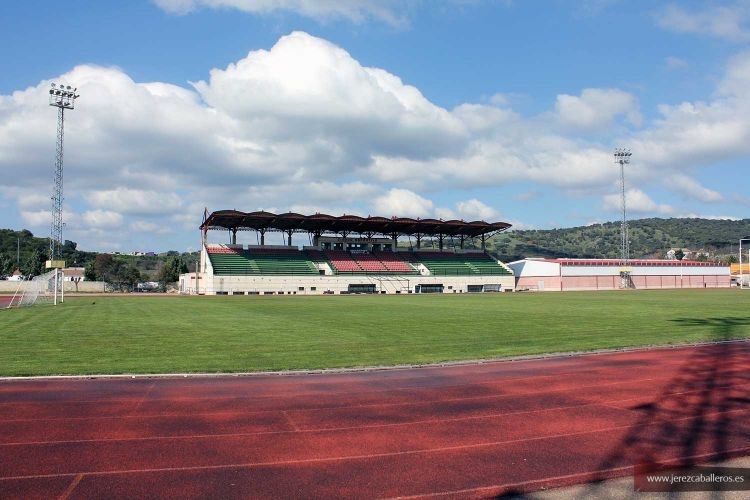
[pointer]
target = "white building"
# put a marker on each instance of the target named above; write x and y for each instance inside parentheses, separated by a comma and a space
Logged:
(16, 276)
(611, 274)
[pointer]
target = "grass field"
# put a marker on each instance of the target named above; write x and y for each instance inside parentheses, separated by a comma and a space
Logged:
(135, 334)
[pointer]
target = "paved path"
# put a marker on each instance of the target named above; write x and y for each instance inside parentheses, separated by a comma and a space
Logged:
(466, 431)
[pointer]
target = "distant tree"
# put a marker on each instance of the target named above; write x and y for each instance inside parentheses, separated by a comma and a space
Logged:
(679, 254)
(68, 251)
(128, 277)
(115, 272)
(170, 271)
(34, 264)
(89, 273)
(104, 265)
(6, 263)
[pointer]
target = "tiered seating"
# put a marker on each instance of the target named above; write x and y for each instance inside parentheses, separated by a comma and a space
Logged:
(369, 263)
(227, 260)
(443, 264)
(316, 255)
(230, 261)
(214, 249)
(394, 263)
(280, 261)
(342, 261)
(485, 264)
(234, 261)
(459, 264)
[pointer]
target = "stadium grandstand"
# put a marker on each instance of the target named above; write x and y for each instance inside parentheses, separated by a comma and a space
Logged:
(347, 254)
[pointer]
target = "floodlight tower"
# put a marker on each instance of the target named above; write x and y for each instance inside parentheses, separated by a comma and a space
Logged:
(622, 157)
(62, 97)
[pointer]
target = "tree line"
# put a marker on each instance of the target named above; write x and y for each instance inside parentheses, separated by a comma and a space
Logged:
(692, 238)
(28, 254)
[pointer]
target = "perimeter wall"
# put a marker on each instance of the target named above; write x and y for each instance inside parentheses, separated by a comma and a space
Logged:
(10, 287)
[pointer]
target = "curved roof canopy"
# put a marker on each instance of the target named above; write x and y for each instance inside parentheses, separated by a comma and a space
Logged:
(322, 224)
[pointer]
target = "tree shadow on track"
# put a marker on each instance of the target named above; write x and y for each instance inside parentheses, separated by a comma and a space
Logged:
(697, 418)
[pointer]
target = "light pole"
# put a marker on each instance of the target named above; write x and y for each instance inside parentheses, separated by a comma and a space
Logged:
(622, 157)
(62, 97)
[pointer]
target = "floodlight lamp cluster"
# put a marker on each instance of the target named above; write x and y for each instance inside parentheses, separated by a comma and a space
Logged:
(62, 96)
(622, 155)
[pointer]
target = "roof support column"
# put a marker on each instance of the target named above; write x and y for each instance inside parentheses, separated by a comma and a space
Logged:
(234, 235)
(289, 237)
(344, 243)
(262, 236)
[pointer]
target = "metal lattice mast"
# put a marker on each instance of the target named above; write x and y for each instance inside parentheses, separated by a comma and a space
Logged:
(622, 157)
(57, 193)
(62, 97)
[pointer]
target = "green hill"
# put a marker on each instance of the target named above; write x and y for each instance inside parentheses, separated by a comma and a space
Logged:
(710, 239)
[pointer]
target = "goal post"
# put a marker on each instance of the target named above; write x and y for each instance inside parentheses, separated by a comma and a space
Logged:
(40, 290)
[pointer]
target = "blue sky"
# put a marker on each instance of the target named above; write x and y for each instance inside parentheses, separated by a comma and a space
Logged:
(499, 110)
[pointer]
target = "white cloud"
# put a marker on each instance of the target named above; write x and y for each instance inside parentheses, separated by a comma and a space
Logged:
(693, 189)
(727, 21)
(319, 106)
(476, 210)
(693, 133)
(713, 217)
(326, 192)
(500, 153)
(675, 63)
(102, 219)
(636, 201)
(135, 201)
(36, 218)
(467, 210)
(480, 118)
(394, 12)
(28, 199)
(403, 203)
(142, 226)
(526, 196)
(595, 109)
(734, 85)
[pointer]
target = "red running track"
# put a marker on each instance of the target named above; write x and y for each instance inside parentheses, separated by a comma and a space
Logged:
(467, 431)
